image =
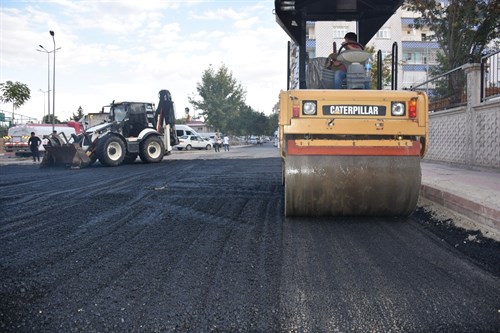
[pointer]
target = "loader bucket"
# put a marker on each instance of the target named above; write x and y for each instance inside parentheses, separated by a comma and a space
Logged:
(65, 155)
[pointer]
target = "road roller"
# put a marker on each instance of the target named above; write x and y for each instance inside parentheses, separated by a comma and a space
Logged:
(353, 151)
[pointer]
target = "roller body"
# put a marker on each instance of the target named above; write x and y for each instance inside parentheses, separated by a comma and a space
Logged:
(352, 152)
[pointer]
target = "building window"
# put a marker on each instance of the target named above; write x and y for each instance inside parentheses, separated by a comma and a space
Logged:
(384, 33)
(311, 33)
(339, 32)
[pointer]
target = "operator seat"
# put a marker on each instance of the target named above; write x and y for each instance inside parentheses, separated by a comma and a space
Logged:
(354, 60)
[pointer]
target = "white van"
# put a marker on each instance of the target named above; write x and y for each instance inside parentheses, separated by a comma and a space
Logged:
(184, 130)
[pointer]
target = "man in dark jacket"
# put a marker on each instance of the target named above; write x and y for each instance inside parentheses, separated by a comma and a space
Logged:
(34, 142)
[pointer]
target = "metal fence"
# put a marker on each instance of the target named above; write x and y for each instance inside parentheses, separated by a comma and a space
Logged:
(445, 91)
(490, 78)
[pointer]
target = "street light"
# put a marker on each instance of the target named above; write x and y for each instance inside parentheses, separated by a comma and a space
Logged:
(48, 76)
(43, 49)
(53, 84)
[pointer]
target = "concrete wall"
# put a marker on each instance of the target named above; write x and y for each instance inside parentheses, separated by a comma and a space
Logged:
(467, 135)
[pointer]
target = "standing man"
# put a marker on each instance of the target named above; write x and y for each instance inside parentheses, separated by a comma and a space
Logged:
(217, 142)
(225, 142)
(34, 142)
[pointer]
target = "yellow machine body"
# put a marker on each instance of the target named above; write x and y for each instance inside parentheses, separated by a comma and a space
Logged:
(352, 152)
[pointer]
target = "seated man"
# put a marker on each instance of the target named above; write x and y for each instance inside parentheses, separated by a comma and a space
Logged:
(350, 43)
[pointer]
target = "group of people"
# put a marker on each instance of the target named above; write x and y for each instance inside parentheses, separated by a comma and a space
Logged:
(218, 141)
(350, 43)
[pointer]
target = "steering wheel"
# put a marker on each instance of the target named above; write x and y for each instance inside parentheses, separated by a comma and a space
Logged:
(350, 43)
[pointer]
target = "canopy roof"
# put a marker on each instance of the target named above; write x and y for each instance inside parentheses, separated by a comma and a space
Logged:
(371, 15)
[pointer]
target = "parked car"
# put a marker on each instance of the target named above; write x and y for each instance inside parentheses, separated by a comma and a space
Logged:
(189, 142)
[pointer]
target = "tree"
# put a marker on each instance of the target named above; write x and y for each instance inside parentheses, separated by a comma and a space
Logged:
(16, 93)
(78, 115)
(47, 119)
(220, 98)
(386, 68)
(463, 28)
(272, 124)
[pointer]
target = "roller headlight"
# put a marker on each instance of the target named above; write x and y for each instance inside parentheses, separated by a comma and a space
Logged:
(309, 108)
(398, 109)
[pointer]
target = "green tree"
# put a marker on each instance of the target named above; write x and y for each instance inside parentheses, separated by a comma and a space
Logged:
(220, 99)
(47, 119)
(386, 68)
(272, 124)
(463, 28)
(16, 93)
(78, 115)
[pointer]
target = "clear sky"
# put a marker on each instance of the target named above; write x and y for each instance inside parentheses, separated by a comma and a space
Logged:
(129, 50)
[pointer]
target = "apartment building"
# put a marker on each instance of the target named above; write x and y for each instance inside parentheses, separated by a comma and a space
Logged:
(416, 48)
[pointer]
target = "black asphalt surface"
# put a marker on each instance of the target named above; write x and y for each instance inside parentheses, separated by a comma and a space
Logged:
(198, 243)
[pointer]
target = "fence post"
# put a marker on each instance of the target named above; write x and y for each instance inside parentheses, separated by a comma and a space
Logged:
(473, 72)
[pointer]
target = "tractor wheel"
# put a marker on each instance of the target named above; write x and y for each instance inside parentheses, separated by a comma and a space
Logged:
(111, 150)
(151, 150)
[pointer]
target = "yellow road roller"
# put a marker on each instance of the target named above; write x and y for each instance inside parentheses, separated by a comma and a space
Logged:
(350, 151)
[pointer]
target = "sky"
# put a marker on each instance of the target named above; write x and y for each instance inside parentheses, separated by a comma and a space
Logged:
(130, 50)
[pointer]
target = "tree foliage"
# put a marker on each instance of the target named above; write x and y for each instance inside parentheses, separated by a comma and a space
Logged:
(386, 68)
(221, 97)
(463, 28)
(14, 92)
(47, 119)
(221, 100)
(78, 115)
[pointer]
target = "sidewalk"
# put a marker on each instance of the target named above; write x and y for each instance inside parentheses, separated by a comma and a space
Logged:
(472, 193)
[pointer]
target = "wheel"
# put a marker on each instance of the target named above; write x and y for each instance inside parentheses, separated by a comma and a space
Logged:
(179, 148)
(188, 147)
(111, 150)
(129, 158)
(151, 149)
(209, 147)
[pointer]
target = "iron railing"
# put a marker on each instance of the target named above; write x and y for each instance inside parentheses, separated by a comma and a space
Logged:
(445, 91)
(490, 76)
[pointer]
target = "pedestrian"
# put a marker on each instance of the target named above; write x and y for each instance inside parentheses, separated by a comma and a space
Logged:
(225, 142)
(217, 142)
(34, 143)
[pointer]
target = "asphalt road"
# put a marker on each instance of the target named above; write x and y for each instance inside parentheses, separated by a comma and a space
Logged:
(198, 243)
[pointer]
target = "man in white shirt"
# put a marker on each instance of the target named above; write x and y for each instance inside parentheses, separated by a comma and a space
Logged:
(226, 143)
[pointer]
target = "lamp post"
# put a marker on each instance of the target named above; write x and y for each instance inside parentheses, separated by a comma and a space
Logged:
(53, 83)
(43, 49)
(48, 77)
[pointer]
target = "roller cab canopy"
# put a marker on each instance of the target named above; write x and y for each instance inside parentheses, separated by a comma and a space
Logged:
(371, 15)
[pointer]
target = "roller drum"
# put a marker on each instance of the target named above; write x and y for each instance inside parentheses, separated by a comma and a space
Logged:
(325, 185)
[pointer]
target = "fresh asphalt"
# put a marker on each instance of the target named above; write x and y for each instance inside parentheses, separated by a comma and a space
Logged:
(198, 243)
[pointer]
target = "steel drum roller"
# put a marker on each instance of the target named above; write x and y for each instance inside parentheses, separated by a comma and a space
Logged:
(326, 185)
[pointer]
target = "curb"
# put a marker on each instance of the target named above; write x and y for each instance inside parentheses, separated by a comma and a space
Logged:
(483, 216)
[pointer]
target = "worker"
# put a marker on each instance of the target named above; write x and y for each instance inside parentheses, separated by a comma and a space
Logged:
(34, 143)
(350, 43)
